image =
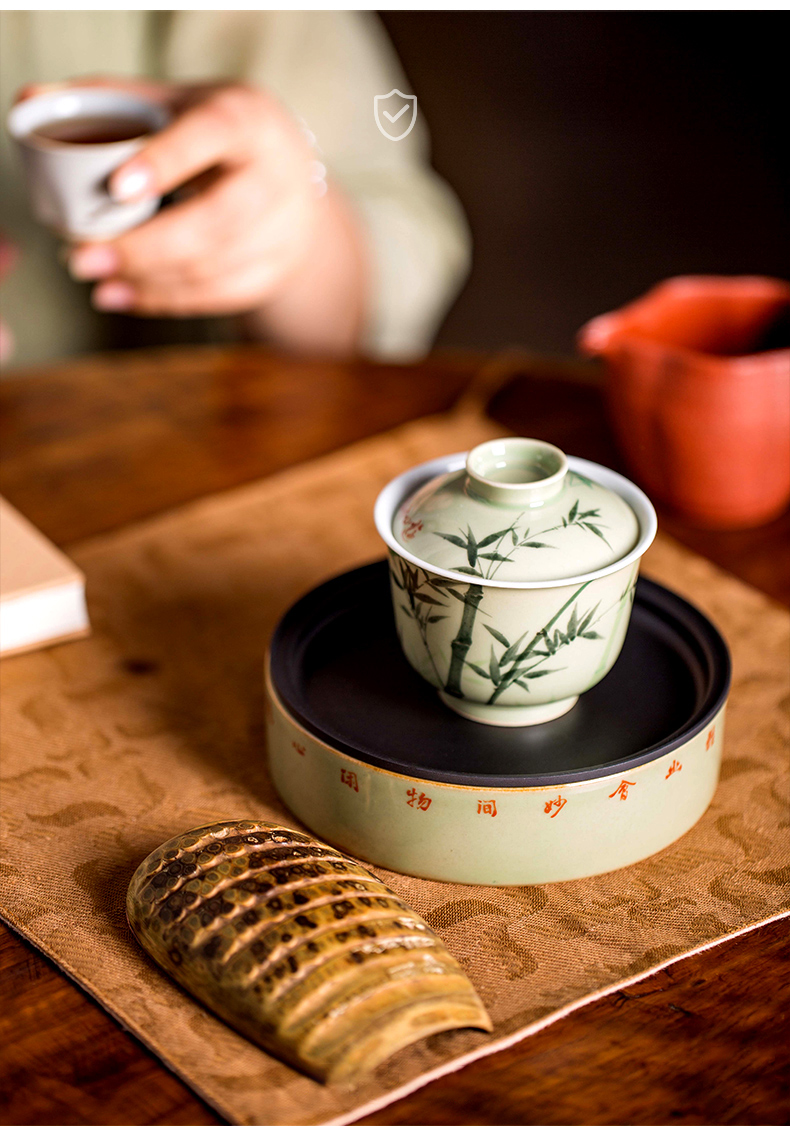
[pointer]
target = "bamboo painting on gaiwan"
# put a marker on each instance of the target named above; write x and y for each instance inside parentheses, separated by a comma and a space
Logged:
(513, 572)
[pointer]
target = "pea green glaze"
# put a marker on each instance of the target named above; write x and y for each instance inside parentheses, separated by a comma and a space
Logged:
(518, 513)
(471, 835)
(513, 571)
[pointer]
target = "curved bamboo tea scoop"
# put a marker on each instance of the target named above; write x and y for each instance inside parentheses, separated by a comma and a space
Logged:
(297, 947)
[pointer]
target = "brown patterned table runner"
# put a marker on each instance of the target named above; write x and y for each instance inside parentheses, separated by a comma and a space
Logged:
(153, 725)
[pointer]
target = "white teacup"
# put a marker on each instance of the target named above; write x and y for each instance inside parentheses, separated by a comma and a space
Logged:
(67, 176)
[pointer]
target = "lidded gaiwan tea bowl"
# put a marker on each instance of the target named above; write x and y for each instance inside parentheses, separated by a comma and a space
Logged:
(513, 571)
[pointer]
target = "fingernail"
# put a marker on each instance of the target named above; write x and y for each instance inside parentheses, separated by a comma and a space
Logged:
(131, 184)
(93, 262)
(113, 296)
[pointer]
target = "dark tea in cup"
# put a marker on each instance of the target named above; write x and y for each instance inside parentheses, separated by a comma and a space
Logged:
(71, 140)
(93, 129)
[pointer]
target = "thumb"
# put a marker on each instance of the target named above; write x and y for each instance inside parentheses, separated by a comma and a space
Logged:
(219, 129)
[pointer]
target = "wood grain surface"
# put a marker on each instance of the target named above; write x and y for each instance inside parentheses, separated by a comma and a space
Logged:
(93, 444)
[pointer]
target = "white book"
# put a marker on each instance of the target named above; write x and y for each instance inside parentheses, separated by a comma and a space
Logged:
(42, 593)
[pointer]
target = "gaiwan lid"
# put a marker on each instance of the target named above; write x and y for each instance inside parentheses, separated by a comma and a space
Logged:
(516, 513)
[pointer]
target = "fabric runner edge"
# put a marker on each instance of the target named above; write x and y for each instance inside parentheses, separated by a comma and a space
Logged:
(398, 1093)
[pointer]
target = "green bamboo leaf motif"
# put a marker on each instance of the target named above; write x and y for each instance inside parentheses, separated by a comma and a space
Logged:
(493, 537)
(539, 672)
(530, 647)
(516, 671)
(510, 653)
(573, 624)
(495, 556)
(521, 684)
(592, 512)
(419, 603)
(597, 531)
(583, 624)
(456, 594)
(493, 668)
(514, 537)
(471, 547)
(572, 513)
(499, 636)
(592, 634)
(478, 670)
(536, 543)
(574, 476)
(468, 571)
(452, 539)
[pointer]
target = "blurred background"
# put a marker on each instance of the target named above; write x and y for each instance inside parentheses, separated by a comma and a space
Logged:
(598, 152)
(594, 153)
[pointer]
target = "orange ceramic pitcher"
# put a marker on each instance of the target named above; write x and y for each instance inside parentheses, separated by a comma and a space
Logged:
(699, 394)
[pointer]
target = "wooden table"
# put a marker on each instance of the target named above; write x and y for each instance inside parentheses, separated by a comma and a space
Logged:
(89, 446)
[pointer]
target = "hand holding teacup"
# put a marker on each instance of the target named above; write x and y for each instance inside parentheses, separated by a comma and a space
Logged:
(256, 230)
(71, 139)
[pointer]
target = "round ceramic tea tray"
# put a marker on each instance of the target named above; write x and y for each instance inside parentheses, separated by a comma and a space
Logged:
(364, 753)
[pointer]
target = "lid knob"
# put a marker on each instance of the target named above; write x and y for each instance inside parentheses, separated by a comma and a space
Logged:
(517, 472)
